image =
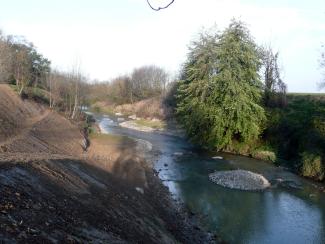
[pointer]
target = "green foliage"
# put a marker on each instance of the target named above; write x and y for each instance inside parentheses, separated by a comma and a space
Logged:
(319, 125)
(297, 129)
(220, 90)
(37, 94)
(312, 166)
(88, 123)
(170, 97)
(264, 155)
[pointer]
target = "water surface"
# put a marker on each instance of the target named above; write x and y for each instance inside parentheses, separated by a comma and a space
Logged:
(293, 212)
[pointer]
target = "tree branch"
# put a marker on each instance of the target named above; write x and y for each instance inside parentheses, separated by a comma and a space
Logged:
(159, 8)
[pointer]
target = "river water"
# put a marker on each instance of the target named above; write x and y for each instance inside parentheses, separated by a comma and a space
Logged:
(292, 211)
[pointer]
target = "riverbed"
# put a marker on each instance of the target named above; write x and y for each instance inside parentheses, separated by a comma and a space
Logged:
(292, 210)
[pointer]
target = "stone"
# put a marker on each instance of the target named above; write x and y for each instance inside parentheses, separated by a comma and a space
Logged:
(240, 179)
(134, 117)
(217, 157)
(140, 190)
(178, 154)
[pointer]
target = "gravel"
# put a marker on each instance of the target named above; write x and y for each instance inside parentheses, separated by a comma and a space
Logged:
(240, 179)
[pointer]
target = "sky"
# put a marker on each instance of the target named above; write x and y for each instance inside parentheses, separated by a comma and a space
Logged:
(111, 38)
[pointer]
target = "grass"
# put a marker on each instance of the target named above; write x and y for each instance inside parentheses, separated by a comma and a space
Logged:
(35, 93)
(305, 94)
(264, 155)
(102, 110)
(111, 139)
(311, 96)
(152, 124)
(14, 87)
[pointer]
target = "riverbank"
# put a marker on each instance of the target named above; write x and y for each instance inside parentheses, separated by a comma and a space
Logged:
(52, 190)
(126, 161)
(130, 159)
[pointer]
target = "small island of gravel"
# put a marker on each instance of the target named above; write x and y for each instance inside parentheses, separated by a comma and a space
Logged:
(240, 179)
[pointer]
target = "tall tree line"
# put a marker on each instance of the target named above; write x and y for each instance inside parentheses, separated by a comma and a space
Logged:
(144, 82)
(23, 66)
(21, 63)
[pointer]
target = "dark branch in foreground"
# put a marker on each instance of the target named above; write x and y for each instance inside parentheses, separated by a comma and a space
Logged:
(159, 8)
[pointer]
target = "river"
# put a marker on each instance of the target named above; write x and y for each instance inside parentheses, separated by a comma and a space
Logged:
(292, 211)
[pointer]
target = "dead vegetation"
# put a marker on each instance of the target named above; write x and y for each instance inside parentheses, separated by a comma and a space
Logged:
(148, 108)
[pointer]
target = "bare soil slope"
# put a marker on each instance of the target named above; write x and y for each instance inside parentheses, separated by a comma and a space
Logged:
(15, 114)
(53, 191)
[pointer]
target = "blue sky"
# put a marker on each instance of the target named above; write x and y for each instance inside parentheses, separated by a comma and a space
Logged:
(110, 38)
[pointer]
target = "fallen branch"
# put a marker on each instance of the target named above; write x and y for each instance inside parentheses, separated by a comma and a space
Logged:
(159, 8)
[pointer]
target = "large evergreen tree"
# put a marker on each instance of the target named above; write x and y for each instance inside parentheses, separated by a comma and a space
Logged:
(220, 90)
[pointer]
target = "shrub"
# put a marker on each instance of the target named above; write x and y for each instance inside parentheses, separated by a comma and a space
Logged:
(102, 108)
(96, 109)
(264, 155)
(312, 166)
(319, 125)
(37, 94)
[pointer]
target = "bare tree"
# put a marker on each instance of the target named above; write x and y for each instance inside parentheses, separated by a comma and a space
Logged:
(56, 82)
(5, 59)
(76, 78)
(98, 91)
(21, 66)
(148, 81)
(274, 88)
(322, 66)
(78, 81)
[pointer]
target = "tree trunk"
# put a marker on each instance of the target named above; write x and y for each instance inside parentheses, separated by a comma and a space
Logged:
(75, 107)
(21, 88)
